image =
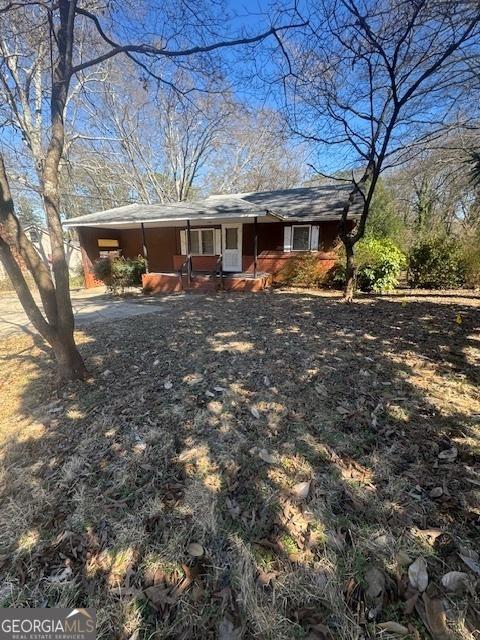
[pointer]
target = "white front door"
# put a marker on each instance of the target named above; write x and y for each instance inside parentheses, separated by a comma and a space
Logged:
(232, 247)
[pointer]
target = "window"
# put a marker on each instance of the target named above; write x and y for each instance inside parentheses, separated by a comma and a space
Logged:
(34, 235)
(202, 241)
(301, 237)
(231, 238)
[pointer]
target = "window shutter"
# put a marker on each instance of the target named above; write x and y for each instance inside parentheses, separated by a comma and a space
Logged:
(183, 242)
(287, 238)
(314, 235)
(218, 241)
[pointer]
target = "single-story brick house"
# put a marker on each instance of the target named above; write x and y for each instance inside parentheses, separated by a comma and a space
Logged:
(237, 241)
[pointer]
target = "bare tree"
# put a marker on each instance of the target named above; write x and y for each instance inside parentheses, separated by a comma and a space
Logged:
(436, 191)
(256, 154)
(375, 79)
(192, 134)
(62, 19)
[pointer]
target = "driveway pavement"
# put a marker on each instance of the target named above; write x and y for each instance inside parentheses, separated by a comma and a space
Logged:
(89, 306)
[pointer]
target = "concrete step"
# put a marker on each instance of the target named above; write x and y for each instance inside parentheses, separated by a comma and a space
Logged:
(200, 284)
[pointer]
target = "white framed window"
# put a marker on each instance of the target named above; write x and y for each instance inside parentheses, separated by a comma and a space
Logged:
(301, 237)
(202, 242)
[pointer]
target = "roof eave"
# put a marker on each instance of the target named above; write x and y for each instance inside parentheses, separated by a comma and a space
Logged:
(194, 217)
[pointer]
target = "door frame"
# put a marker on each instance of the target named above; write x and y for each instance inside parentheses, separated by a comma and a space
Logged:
(239, 226)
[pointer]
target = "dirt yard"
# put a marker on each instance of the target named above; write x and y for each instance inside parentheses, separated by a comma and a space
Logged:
(274, 465)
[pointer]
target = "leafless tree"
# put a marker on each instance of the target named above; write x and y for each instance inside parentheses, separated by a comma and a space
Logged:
(61, 21)
(374, 80)
(256, 154)
(435, 191)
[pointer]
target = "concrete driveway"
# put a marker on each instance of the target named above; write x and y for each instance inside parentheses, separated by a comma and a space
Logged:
(89, 306)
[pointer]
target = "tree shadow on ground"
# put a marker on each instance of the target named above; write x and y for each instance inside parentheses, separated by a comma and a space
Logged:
(198, 426)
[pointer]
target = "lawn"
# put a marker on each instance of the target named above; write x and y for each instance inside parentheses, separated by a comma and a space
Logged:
(251, 466)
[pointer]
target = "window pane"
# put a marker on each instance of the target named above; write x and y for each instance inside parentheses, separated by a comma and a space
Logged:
(301, 237)
(195, 241)
(207, 241)
(231, 238)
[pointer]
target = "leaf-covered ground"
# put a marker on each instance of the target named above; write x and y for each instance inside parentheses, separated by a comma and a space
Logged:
(275, 465)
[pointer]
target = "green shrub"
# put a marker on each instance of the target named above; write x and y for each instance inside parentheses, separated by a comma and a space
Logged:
(379, 264)
(471, 259)
(305, 270)
(119, 273)
(437, 263)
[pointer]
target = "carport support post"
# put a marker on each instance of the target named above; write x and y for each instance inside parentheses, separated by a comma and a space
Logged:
(255, 247)
(189, 251)
(145, 252)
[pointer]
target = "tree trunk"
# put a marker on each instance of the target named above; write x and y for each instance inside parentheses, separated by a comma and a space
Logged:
(70, 364)
(350, 274)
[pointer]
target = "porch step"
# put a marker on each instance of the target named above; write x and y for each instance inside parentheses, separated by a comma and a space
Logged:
(200, 284)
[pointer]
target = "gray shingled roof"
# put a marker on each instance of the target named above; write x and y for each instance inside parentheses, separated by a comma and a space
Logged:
(304, 203)
(324, 202)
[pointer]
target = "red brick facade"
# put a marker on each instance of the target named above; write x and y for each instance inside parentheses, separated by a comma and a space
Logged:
(164, 253)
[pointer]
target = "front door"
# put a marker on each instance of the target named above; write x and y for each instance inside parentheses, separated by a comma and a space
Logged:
(232, 247)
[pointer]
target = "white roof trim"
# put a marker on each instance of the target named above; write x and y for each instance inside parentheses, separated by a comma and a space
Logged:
(177, 219)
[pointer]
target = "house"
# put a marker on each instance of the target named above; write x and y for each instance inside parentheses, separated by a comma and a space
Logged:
(40, 239)
(238, 241)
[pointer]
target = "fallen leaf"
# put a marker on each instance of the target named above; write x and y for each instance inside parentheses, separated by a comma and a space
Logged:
(63, 576)
(455, 582)
(159, 597)
(255, 413)
(472, 564)
(436, 618)
(410, 604)
(418, 575)
(466, 551)
(393, 627)
(264, 578)
(301, 490)
(196, 550)
(429, 534)
(167, 384)
(321, 389)
(375, 579)
(448, 455)
(267, 457)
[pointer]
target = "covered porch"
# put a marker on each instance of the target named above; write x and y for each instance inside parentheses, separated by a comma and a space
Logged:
(193, 253)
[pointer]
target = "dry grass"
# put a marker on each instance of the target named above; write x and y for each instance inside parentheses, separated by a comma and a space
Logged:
(105, 484)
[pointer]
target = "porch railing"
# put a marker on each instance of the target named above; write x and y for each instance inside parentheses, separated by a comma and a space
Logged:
(187, 265)
(218, 271)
